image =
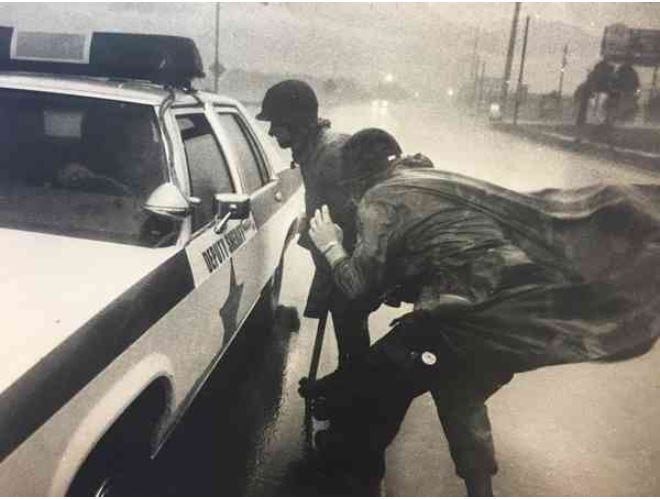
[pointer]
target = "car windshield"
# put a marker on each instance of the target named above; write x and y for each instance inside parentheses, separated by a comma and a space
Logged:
(80, 167)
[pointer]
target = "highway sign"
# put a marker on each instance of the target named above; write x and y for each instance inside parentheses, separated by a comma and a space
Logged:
(622, 44)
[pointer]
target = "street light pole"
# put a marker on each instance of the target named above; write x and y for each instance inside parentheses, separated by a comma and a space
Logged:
(521, 72)
(563, 69)
(509, 58)
(481, 85)
(216, 65)
(475, 80)
(561, 81)
(474, 66)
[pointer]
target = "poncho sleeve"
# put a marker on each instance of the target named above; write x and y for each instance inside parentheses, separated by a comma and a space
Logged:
(362, 275)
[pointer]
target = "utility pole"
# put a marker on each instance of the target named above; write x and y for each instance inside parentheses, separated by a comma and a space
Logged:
(652, 94)
(474, 63)
(562, 70)
(509, 58)
(475, 80)
(561, 80)
(521, 72)
(216, 64)
(481, 86)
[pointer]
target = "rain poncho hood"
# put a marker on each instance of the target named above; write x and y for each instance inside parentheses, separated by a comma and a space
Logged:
(603, 244)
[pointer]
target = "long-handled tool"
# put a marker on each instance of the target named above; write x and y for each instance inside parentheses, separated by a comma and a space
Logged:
(318, 346)
(311, 377)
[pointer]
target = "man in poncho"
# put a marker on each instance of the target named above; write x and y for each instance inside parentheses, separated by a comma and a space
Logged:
(501, 282)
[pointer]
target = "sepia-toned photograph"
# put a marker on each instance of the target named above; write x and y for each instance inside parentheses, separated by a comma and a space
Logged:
(329, 249)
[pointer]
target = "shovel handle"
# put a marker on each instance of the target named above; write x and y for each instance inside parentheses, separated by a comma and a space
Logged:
(313, 371)
(318, 346)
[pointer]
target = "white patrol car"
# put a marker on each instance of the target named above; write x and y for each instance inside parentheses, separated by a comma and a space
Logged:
(140, 223)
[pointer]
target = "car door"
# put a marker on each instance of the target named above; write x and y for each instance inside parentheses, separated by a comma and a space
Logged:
(260, 256)
(213, 305)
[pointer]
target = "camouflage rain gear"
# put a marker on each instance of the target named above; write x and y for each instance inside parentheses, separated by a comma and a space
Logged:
(554, 277)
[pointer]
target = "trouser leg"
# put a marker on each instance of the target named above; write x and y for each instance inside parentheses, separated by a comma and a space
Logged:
(351, 329)
(464, 416)
(368, 400)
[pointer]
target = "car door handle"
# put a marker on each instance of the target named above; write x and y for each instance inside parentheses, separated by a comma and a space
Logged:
(221, 224)
(278, 196)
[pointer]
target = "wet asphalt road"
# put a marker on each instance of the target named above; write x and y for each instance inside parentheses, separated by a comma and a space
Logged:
(590, 429)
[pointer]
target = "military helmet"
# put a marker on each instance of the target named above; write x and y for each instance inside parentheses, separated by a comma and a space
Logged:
(289, 101)
(368, 152)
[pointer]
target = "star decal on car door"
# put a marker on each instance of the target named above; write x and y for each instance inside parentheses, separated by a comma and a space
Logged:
(229, 310)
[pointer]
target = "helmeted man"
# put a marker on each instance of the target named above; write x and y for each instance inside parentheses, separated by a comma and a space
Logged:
(501, 282)
(291, 107)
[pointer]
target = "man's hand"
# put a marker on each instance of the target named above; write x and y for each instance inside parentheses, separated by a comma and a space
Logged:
(324, 232)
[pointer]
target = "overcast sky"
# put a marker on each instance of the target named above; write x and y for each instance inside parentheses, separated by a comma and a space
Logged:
(422, 45)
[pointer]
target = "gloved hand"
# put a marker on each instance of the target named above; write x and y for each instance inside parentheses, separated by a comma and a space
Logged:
(323, 231)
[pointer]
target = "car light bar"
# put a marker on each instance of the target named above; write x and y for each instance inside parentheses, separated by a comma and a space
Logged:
(163, 59)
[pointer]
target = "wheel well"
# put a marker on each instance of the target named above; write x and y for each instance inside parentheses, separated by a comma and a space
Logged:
(132, 435)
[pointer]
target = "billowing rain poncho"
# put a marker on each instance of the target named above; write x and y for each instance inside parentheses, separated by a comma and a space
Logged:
(553, 277)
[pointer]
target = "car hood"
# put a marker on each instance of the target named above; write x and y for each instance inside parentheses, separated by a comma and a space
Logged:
(51, 285)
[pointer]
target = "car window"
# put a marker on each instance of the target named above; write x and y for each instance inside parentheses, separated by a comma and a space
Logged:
(247, 158)
(207, 166)
(79, 167)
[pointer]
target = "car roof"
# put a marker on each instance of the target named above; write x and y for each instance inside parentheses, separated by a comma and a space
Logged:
(142, 92)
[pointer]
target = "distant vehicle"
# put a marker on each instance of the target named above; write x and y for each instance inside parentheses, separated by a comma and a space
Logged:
(494, 112)
(141, 222)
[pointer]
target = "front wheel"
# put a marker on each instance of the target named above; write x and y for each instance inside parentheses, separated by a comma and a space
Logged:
(112, 472)
(121, 464)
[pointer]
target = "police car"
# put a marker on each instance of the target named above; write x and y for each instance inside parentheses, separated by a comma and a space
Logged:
(141, 222)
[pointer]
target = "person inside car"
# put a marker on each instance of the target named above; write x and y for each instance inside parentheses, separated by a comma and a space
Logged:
(77, 176)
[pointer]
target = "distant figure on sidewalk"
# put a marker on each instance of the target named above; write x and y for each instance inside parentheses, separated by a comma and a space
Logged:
(599, 83)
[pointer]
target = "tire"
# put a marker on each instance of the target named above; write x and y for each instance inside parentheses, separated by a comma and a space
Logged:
(112, 471)
(120, 464)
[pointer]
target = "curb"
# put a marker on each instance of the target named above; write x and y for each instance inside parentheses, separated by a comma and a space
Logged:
(618, 154)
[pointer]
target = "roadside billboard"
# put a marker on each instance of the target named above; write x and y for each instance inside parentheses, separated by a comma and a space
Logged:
(622, 44)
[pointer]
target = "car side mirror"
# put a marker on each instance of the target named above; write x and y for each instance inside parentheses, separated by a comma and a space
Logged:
(168, 201)
(230, 206)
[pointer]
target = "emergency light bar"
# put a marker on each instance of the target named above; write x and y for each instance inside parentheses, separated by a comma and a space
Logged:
(163, 59)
